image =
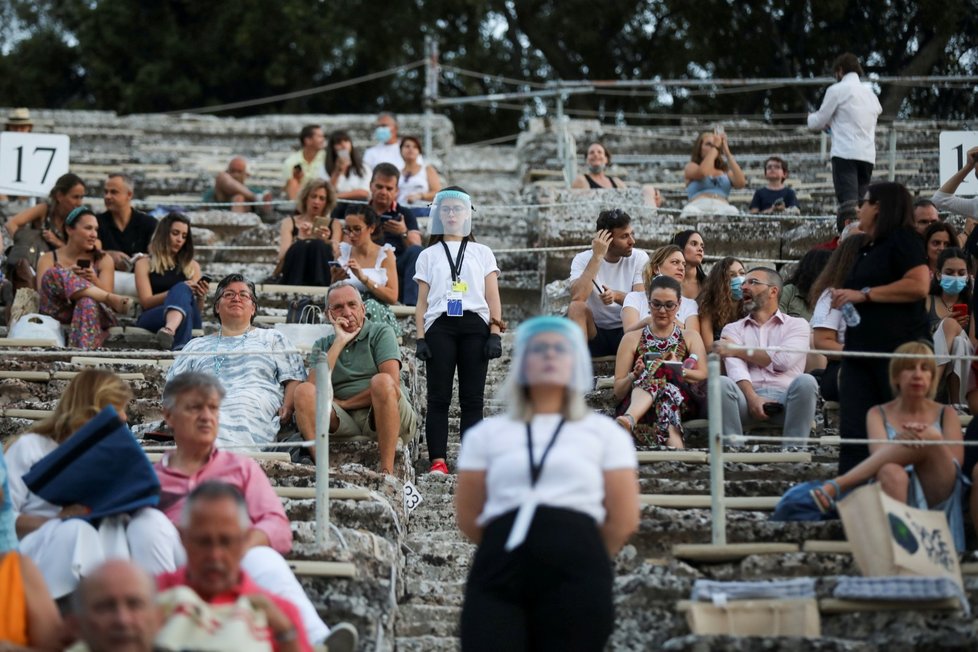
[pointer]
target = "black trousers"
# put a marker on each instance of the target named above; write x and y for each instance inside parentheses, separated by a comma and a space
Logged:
(863, 383)
(455, 343)
(850, 178)
(551, 593)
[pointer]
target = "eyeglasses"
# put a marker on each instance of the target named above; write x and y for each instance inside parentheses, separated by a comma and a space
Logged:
(452, 210)
(353, 229)
(541, 348)
(754, 281)
(864, 200)
(244, 295)
(660, 305)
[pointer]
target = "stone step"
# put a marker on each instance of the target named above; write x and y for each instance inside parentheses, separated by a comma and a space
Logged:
(428, 644)
(427, 620)
(428, 590)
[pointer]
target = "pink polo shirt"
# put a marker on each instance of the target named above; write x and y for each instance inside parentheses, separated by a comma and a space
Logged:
(779, 330)
(244, 473)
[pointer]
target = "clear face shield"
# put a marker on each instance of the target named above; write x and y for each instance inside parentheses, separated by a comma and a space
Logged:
(451, 214)
(552, 351)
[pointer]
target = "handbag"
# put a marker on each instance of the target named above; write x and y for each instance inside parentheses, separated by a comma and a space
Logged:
(35, 326)
(304, 324)
(100, 466)
(891, 538)
(190, 623)
(28, 244)
(780, 617)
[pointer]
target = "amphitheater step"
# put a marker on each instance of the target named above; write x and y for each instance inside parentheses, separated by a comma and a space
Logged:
(428, 644)
(427, 620)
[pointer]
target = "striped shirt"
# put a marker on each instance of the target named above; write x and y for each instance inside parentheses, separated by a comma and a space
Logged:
(254, 383)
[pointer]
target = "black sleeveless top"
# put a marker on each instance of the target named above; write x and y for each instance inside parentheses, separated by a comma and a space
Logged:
(594, 184)
(163, 282)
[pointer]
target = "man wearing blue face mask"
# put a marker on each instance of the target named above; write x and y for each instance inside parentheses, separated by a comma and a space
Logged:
(387, 148)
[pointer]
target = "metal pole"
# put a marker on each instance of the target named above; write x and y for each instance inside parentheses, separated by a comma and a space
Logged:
(431, 73)
(324, 406)
(715, 405)
(823, 145)
(893, 147)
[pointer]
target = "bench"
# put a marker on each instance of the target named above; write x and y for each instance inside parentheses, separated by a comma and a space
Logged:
(701, 501)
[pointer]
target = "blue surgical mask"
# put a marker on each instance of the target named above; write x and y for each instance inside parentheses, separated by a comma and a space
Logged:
(382, 134)
(737, 287)
(953, 284)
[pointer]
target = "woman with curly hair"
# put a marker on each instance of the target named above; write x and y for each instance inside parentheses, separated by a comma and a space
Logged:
(722, 299)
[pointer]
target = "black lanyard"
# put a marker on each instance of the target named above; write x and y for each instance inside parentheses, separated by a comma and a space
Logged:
(537, 469)
(456, 267)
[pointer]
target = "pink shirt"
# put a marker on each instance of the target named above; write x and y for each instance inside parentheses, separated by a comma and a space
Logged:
(244, 473)
(245, 586)
(779, 330)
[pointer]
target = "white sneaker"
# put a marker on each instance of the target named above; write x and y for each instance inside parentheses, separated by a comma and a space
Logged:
(342, 638)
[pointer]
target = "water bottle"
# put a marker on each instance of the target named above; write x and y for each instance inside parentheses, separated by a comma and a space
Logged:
(850, 315)
(690, 362)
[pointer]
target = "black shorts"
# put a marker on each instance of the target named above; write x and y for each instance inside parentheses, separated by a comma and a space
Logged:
(605, 342)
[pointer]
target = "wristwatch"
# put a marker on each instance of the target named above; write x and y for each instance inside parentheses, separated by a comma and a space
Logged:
(865, 292)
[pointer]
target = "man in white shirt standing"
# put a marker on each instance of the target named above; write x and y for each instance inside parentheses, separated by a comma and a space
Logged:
(601, 278)
(849, 112)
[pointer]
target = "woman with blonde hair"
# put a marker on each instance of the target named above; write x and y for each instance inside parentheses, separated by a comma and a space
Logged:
(710, 175)
(667, 261)
(65, 547)
(169, 284)
(924, 477)
(309, 240)
(549, 493)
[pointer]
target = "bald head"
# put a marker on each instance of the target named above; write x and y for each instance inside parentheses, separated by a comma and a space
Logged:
(114, 609)
(238, 168)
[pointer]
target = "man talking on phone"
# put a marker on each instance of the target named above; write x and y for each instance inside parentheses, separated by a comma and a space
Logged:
(600, 279)
(766, 386)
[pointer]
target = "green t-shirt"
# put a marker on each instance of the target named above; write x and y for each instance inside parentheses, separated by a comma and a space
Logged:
(360, 359)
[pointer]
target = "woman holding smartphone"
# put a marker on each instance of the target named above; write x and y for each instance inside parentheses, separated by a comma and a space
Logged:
(711, 174)
(76, 282)
(169, 283)
(948, 310)
(458, 317)
(308, 241)
(655, 370)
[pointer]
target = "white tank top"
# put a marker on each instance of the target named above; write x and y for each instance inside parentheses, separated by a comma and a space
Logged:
(410, 185)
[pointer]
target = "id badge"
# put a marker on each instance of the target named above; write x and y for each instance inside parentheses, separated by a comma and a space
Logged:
(454, 304)
(460, 287)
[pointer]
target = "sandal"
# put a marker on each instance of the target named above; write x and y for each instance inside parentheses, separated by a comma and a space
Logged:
(626, 421)
(164, 337)
(823, 501)
(118, 303)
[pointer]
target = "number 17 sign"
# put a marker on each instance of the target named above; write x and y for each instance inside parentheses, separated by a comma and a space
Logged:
(31, 163)
(954, 149)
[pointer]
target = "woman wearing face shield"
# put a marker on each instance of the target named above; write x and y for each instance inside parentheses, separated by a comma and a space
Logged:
(458, 317)
(548, 491)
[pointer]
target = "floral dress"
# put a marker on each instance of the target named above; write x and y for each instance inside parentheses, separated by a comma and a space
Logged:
(672, 399)
(88, 320)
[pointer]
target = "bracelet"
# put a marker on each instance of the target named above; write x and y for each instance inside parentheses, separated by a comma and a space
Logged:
(287, 636)
(498, 322)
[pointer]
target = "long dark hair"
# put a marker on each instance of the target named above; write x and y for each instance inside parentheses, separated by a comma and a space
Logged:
(946, 255)
(715, 298)
(369, 217)
(807, 272)
(895, 208)
(356, 161)
(680, 240)
(161, 258)
(837, 269)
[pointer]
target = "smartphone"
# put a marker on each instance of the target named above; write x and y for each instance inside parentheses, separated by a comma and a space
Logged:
(718, 130)
(334, 263)
(771, 409)
(206, 278)
(322, 223)
(296, 168)
(960, 309)
(779, 202)
(675, 365)
(84, 263)
(386, 218)
(651, 356)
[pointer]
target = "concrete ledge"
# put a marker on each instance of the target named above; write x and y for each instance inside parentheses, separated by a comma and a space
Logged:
(836, 606)
(831, 547)
(342, 493)
(702, 457)
(261, 456)
(729, 551)
(700, 501)
(15, 413)
(322, 568)
(696, 457)
(44, 376)
(25, 342)
(97, 362)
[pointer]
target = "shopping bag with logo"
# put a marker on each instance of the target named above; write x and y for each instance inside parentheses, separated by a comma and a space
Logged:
(190, 623)
(890, 538)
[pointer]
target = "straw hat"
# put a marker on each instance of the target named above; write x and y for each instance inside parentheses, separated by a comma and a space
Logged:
(20, 116)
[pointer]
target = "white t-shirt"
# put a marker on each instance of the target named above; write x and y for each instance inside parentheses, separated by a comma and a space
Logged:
(638, 301)
(432, 268)
(354, 181)
(24, 453)
(825, 316)
(621, 276)
(572, 475)
(386, 153)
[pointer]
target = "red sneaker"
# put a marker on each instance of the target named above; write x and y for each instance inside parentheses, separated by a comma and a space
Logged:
(439, 466)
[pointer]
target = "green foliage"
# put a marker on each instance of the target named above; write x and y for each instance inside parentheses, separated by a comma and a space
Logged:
(137, 56)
